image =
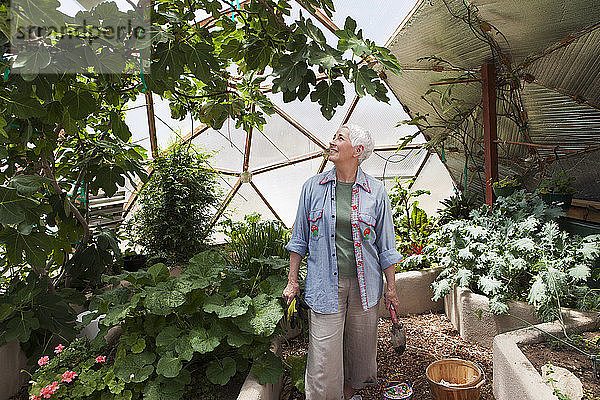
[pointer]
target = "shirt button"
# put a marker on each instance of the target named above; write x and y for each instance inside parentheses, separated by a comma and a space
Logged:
(333, 216)
(332, 235)
(333, 255)
(335, 273)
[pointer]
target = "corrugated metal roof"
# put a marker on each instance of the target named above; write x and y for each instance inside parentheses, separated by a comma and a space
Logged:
(552, 48)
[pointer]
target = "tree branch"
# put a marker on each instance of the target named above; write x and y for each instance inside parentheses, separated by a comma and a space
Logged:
(277, 18)
(50, 175)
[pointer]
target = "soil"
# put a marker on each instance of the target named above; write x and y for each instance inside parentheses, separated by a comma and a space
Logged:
(430, 337)
(564, 356)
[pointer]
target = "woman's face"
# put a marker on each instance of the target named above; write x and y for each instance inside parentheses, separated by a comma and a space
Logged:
(340, 148)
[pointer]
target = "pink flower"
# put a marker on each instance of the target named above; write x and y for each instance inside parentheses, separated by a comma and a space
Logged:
(34, 397)
(59, 348)
(43, 361)
(68, 376)
(100, 359)
(49, 390)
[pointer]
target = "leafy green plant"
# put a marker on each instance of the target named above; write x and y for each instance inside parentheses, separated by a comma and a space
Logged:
(176, 206)
(412, 225)
(560, 183)
(201, 320)
(34, 316)
(515, 251)
(257, 247)
(456, 207)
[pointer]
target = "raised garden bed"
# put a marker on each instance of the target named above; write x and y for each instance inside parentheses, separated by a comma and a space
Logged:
(515, 377)
(12, 361)
(470, 315)
(563, 356)
(414, 292)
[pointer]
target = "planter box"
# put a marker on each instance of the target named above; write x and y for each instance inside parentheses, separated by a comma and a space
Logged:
(12, 361)
(414, 292)
(514, 376)
(463, 308)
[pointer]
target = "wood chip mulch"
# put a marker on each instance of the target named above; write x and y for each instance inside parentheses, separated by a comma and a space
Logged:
(430, 337)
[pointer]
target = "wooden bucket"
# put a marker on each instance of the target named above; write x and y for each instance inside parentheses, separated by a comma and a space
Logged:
(455, 379)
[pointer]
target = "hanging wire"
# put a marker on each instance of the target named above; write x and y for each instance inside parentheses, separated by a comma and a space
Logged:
(389, 160)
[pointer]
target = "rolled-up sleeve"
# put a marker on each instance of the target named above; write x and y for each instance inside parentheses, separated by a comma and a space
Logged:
(299, 241)
(386, 237)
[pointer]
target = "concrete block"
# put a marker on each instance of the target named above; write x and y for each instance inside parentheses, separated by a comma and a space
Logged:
(514, 376)
(470, 315)
(414, 292)
(12, 361)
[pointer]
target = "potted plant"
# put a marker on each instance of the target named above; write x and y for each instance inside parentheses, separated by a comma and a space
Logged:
(558, 191)
(505, 187)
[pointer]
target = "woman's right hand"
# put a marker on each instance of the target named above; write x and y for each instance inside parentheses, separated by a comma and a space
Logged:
(291, 290)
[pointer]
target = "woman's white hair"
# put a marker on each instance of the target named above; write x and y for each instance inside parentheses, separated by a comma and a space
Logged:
(360, 136)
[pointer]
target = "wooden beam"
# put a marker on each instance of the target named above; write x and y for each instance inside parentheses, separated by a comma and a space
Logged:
(488, 80)
(247, 149)
(226, 202)
(151, 124)
(300, 128)
(267, 203)
(291, 161)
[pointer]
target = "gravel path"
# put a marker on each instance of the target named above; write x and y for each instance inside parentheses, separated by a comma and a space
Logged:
(429, 337)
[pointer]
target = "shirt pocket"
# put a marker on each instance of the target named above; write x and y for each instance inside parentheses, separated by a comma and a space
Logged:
(366, 222)
(315, 222)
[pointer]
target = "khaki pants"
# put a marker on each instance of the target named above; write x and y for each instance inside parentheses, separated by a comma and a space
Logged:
(342, 347)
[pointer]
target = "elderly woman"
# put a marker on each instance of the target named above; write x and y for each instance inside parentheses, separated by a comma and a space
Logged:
(344, 222)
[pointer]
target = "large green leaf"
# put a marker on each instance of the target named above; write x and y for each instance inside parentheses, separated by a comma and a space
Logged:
(136, 367)
(19, 327)
(119, 127)
(268, 368)
(328, 96)
(220, 371)
(289, 74)
(80, 103)
(258, 53)
(25, 107)
(36, 246)
(202, 342)
(13, 206)
(168, 338)
(204, 270)
(27, 184)
(163, 298)
(201, 61)
(109, 179)
(262, 317)
(225, 309)
(168, 366)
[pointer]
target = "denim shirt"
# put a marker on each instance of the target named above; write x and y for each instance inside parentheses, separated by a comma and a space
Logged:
(372, 233)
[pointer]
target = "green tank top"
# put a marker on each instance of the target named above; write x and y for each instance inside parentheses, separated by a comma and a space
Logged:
(344, 245)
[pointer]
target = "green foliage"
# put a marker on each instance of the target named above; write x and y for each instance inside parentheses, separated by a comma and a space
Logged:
(412, 225)
(458, 206)
(203, 320)
(33, 315)
(176, 206)
(560, 183)
(515, 251)
(258, 248)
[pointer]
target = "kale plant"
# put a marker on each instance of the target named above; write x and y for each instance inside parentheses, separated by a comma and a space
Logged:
(514, 252)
